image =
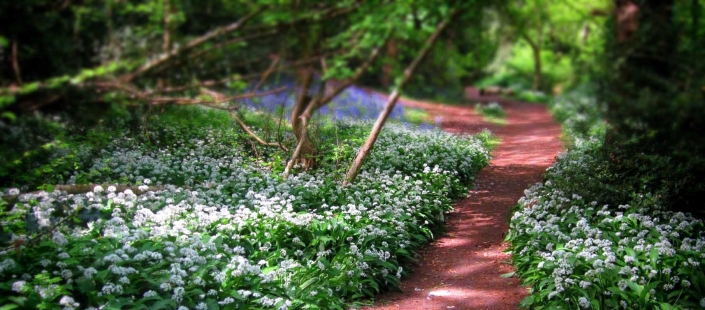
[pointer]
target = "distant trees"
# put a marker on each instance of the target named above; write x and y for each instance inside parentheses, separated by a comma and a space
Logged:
(552, 27)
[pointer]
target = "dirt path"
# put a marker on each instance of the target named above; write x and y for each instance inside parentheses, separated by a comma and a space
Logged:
(461, 269)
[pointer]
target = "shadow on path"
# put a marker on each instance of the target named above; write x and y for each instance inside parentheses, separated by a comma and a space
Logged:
(461, 269)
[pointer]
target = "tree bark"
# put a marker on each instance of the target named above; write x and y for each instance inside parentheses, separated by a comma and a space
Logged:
(387, 68)
(16, 64)
(322, 99)
(537, 68)
(536, 51)
(298, 123)
(304, 147)
(391, 102)
(166, 40)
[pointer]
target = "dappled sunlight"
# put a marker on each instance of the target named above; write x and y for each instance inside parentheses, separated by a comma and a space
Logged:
(461, 269)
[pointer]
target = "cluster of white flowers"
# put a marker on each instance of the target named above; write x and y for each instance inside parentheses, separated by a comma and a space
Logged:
(632, 244)
(204, 216)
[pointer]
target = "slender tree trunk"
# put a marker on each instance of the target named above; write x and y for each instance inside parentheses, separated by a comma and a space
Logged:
(322, 98)
(166, 40)
(302, 100)
(16, 63)
(387, 68)
(537, 68)
(304, 144)
(391, 102)
(536, 51)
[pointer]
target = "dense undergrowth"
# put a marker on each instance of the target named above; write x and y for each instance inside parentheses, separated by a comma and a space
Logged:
(580, 244)
(209, 223)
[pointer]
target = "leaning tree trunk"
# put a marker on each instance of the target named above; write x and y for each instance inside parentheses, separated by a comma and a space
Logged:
(391, 102)
(322, 98)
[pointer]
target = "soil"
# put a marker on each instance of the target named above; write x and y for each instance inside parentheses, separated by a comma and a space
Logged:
(462, 269)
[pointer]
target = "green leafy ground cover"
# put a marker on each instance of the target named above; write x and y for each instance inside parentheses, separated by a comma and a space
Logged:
(578, 252)
(212, 225)
(492, 112)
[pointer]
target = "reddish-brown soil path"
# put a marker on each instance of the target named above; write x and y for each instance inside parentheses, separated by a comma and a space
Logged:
(461, 269)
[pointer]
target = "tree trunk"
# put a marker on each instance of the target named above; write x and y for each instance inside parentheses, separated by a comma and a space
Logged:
(304, 150)
(322, 98)
(391, 102)
(297, 121)
(387, 68)
(166, 40)
(537, 68)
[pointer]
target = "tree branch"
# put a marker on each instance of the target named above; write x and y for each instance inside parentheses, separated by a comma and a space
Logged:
(192, 44)
(15, 63)
(253, 134)
(189, 101)
(358, 73)
(391, 102)
(321, 100)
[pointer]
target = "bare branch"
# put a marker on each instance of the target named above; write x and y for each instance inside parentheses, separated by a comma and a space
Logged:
(192, 44)
(188, 101)
(266, 30)
(321, 100)
(266, 74)
(253, 134)
(15, 63)
(303, 138)
(203, 52)
(358, 73)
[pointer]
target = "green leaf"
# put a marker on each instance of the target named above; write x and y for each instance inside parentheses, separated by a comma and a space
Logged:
(164, 304)
(47, 188)
(29, 88)
(528, 301)
(508, 274)
(308, 283)
(85, 285)
(9, 115)
(121, 302)
(6, 100)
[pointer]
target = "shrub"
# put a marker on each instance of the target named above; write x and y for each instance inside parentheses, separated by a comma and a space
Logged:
(492, 109)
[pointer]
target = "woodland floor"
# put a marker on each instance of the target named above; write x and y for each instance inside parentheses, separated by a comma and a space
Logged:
(461, 269)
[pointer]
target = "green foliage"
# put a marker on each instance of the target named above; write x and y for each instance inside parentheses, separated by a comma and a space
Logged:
(581, 116)
(492, 112)
(210, 226)
(652, 86)
(555, 68)
(576, 252)
(416, 116)
(565, 37)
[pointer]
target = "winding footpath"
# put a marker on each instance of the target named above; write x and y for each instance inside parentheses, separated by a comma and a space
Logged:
(461, 269)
